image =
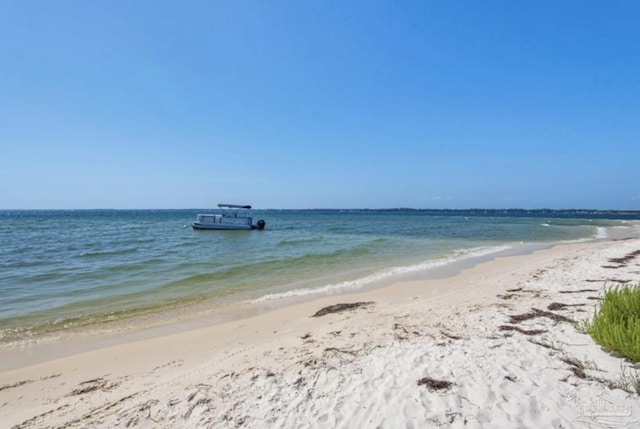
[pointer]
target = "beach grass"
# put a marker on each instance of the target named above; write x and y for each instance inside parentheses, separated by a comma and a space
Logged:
(616, 323)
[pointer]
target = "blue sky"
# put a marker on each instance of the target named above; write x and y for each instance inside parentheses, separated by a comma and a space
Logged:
(320, 104)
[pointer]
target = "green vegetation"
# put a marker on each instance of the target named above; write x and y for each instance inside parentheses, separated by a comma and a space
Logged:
(616, 324)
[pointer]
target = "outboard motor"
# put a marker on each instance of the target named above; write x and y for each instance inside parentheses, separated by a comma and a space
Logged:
(260, 224)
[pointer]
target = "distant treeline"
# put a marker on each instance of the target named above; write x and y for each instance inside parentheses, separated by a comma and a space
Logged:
(557, 213)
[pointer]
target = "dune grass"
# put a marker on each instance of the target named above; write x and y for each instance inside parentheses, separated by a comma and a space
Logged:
(616, 324)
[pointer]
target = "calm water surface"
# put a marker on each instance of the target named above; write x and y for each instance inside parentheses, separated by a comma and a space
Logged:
(60, 269)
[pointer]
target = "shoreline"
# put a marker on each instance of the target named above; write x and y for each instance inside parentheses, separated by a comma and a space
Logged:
(59, 344)
(284, 367)
(93, 323)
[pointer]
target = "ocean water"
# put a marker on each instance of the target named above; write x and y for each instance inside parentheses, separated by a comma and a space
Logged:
(61, 270)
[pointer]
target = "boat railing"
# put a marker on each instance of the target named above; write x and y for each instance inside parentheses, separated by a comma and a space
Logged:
(235, 213)
(205, 219)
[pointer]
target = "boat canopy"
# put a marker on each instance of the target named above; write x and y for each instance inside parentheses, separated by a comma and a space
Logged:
(234, 206)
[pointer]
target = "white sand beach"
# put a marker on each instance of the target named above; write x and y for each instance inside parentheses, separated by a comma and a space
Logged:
(430, 353)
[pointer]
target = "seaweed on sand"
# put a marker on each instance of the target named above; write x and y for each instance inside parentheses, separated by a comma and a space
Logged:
(522, 331)
(576, 366)
(337, 308)
(517, 318)
(434, 384)
(561, 306)
(625, 259)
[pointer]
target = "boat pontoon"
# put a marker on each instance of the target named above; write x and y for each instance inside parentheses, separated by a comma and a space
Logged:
(233, 217)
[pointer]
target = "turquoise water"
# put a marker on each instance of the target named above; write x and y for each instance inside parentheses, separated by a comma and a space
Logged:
(60, 269)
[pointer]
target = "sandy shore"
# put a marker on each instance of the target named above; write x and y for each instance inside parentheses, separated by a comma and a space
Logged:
(432, 353)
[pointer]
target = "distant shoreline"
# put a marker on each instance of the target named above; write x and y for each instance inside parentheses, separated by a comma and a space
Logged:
(509, 211)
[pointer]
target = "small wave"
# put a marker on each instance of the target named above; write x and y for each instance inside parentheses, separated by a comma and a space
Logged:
(98, 254)
(601, 232)
(545, 224)
(385, 274)
(299, 242)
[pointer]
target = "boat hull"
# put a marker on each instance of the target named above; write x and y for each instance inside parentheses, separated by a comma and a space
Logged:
(233, 218)
(221, 227)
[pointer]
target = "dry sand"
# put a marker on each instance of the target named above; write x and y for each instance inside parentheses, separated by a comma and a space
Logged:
(429, 353)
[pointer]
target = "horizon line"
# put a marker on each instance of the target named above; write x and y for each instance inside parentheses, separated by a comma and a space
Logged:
(547, 209)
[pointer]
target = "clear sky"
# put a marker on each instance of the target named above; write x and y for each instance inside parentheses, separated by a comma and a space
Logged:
(320, 104)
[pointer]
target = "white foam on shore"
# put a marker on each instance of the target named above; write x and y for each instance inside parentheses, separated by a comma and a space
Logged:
(601, 233)
(386, 274)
